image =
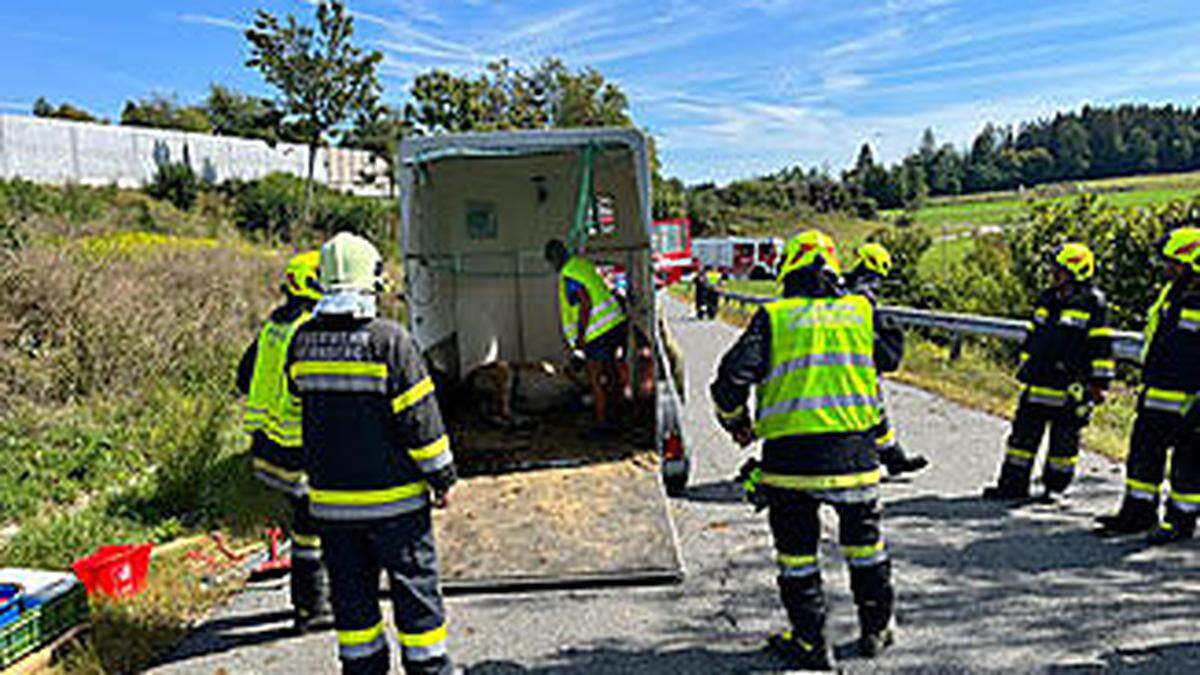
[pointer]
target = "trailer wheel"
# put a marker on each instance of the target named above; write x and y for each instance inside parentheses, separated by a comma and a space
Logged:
(676, 484)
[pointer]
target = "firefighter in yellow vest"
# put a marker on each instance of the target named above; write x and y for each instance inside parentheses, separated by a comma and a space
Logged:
(812, 359)
(1168, 416)
(273, 422)
(594, 323)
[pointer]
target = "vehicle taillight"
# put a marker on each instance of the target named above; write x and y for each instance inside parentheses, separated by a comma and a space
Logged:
(673, 447)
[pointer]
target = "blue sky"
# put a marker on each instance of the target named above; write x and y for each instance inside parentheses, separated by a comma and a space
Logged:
(730, 88)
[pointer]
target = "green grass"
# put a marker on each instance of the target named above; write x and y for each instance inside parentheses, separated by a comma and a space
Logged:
(952, 214)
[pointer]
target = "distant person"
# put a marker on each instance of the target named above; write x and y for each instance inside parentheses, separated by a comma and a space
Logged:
(812, 359)
(594, 324)
(1168, 415)
(378, 457)
(273, 422)
(1066, 367)
(873, 264)
(713, 280)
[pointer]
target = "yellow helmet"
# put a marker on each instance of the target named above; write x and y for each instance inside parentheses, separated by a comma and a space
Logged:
(812, 248)
(300, 275)
(1077, 259)
(875, 258)
(1183, 246)
(351, 263)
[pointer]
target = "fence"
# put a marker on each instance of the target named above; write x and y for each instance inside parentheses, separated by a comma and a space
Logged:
(1127, 345)
(59, 152)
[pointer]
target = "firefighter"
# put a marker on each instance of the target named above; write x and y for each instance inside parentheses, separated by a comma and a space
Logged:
(1066, 367)
(710, 283)
(1168, 417)
(813, 357)
(872, 265)
(378, 458)
(275, 437)
(594, 323)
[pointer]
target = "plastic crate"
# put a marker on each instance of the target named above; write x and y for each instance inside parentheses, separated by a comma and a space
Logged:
(11, 602)
(38, 626)
(115, 571)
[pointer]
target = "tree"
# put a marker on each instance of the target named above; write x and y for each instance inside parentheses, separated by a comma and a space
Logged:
(233, 113)
(379, 132)
(162, 111)
(1072, 150)
(321, 76)
(1142, 151)
(64, 111)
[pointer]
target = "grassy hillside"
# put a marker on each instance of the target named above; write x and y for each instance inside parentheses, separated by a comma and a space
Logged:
(952, 214)
(121, 322)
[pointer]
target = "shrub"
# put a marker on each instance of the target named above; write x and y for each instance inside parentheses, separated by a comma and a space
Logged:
(271, 208)
(175, 182)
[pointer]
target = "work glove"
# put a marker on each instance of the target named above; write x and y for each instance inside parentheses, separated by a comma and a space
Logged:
(750, 478)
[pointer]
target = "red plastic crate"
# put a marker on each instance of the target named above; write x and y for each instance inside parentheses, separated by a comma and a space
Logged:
(115, 571)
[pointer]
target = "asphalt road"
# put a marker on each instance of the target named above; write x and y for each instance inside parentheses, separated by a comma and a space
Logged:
(981, 588)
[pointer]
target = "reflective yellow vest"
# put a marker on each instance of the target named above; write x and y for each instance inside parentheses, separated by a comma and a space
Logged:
(822, 378)
(269, 407)
(713, 278)
(606, 311)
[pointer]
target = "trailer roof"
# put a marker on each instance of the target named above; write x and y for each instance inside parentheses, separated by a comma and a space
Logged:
(516, 143)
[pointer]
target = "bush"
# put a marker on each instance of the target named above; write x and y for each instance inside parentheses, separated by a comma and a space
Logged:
(866, 208)
(271, 208)
(175, 182)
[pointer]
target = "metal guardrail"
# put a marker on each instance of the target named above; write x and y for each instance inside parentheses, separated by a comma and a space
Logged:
(1127, 345)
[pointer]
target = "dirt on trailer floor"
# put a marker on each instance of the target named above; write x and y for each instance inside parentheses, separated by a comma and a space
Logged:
(597, 519)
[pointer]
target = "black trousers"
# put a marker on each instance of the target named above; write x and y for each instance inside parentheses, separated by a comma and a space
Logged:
(309, 579)
(1158, 434)
(796, 527)
(403, 547)
(1029, 426)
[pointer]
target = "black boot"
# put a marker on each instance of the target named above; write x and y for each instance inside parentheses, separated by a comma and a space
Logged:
(871, 645)
(1135, 517)
(310, 596)
(799, 654)
(897, 462)
(1005, 492)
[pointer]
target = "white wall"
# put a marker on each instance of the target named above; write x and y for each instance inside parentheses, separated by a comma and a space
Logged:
(57, 151)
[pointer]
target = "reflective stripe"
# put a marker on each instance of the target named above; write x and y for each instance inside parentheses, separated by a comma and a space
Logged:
(797, 566)
(1168, 401)
(358, 644)
(887, 440)
(1074, 318)
(1102, 333)
(340, 376)
(794, 482)
(424, 646)
(307, 540)
(814, 360)
(290, 482)
(732, 415)
(1185, 497)
(433, 456)
(1104, 368)
(866, 556)
(306, 553)
(1141, 490)
(1024, 357)
(1040, 315)
(368, 497)
(1046, 396)
(1019, 457)
(1063, 461)
(415, 394)
(817, 403)
(1189, 320)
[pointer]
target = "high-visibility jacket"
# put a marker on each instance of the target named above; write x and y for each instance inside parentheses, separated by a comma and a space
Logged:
(606, 311)
(271, 413)
(1171, 368)
(374, 442)
(822, 377)
(1069, 344)
(712, 278)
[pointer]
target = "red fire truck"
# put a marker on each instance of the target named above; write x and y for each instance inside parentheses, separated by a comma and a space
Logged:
(673, 249)
(740, 257)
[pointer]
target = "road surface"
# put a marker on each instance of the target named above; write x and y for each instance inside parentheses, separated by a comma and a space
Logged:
(981, 588)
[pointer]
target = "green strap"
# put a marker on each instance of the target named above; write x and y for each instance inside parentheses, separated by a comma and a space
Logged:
(577, 236)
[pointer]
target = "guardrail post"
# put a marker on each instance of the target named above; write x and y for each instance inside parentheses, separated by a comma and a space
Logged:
(956, 345)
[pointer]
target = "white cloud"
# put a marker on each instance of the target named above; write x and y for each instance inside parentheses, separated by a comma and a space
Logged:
(14, 106)
(214, 21)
